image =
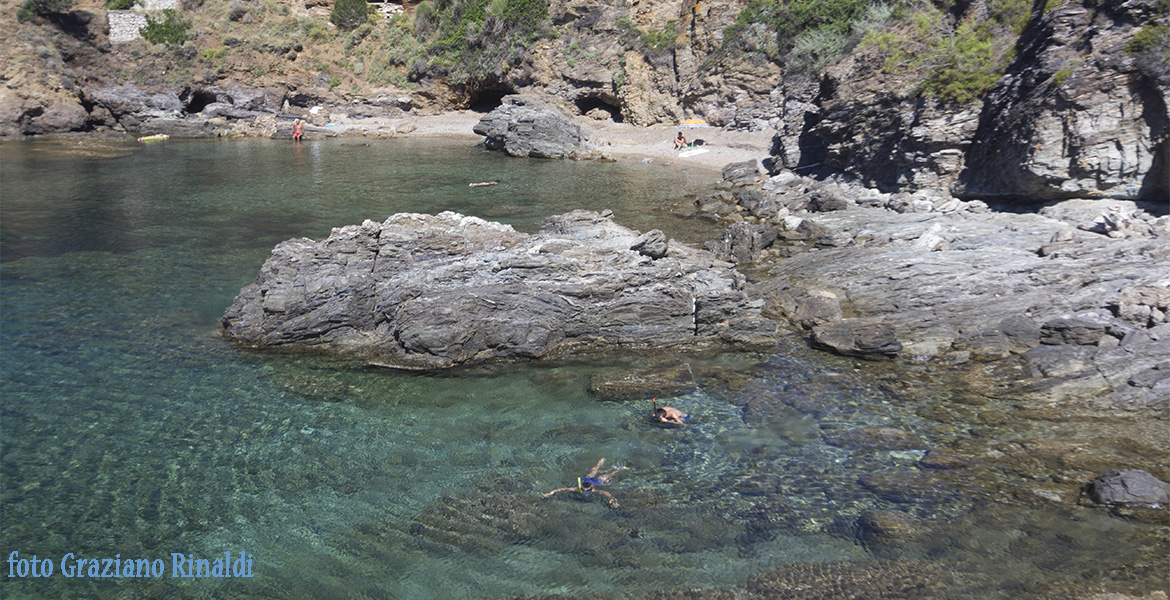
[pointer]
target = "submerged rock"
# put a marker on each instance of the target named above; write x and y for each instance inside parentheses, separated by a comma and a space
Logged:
(436, 291)
(640, 385)
(1131, 487)
(851, 579)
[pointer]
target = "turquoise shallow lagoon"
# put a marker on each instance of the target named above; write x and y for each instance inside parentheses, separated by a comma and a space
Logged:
(128, 428)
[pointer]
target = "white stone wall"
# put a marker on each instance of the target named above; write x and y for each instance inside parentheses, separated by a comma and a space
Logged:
(152, 5)
(124, 25)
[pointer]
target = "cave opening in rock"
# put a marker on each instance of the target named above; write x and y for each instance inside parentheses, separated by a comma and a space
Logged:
(587, 104)
(485, 101)
(197, 100)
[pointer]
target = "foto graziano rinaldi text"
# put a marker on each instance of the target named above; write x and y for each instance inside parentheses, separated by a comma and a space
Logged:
(231, 564)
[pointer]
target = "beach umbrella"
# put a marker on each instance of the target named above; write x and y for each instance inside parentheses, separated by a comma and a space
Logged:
(692, 123)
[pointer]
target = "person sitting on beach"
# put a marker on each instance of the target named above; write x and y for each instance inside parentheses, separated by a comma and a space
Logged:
(680, 142)
(589, 483)
(669, 415)
(298, 130)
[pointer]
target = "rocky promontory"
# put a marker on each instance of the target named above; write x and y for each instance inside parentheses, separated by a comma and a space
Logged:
(1071, 302)
(435, 291)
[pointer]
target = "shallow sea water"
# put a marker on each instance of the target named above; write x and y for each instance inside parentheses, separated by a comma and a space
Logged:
(129, 429)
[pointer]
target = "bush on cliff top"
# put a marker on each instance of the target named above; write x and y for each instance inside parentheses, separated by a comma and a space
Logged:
(805, 35)
(957, 60)
(32, 9)
(348, 14)
(173, 30)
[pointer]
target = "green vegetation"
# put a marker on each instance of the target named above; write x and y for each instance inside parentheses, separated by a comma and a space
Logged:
(1151, 37)
(1150, 49)
(31, 9)
(961, 66)
(216, 59)
(1062, 75)
(959, 60)
(473, 41)
(803, 35)
(173, 30)
(120, 4)
(349, 14)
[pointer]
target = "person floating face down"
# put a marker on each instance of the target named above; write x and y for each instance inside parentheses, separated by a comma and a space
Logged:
(588, 484)
(669, 415)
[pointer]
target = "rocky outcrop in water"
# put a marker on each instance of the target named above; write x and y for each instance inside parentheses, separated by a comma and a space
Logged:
(1074, 117)
(1075, 295)
(435, 291)
(532, 127)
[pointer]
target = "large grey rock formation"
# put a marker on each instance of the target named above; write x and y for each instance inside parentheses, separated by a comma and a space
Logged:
(435, 291)
(529, 126)
(1074, 117)
(1086, 314)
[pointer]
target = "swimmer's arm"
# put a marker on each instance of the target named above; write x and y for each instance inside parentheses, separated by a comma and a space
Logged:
(568, 489)
(608, 498)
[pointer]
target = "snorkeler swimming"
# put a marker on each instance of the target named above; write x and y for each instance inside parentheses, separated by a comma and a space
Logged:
(668, 414)
(589, 483)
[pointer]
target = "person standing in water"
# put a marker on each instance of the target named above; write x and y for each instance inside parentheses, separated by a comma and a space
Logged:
(588, 484)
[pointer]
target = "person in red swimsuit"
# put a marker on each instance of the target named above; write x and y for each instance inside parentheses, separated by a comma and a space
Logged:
(298, 130)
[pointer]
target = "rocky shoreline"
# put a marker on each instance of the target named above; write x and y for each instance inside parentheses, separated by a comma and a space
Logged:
(1075, 295)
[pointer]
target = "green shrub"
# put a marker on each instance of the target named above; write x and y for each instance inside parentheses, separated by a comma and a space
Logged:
(1151, 36)
(1062, 75)
(805, 34)
(1150, 49)
(348, 14)
(120, 4)
(1014, 14)
(473, 41)
(961, 66)
(662, 39)
(815, 49)
(32, 9)
(172, 30)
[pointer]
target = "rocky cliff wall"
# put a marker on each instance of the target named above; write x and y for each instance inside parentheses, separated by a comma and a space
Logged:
(1074, 116)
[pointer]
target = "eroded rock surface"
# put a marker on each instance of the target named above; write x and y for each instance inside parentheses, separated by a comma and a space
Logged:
(527, 126)
(435, 291)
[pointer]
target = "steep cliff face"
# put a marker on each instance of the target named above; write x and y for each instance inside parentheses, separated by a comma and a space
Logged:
(877, 128)
(1074, 116)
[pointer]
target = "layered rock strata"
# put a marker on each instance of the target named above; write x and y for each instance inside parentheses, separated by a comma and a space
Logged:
(435, 291)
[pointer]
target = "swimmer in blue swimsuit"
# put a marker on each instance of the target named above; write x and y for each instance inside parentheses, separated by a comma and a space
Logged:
(589, 483)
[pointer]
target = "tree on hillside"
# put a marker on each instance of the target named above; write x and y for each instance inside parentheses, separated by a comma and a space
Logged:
(348, 14)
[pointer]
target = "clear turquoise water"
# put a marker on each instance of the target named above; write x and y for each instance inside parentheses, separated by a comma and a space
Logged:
(128, 428)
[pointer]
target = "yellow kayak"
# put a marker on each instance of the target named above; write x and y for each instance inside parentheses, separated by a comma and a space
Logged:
(154, 138)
